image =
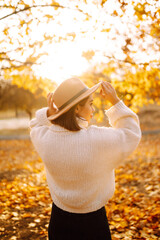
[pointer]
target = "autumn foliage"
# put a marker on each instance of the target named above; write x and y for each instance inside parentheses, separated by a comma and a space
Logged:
(121, 48)
(119, 40)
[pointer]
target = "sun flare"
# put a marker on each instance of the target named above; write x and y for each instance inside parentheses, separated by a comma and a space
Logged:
(64, 61)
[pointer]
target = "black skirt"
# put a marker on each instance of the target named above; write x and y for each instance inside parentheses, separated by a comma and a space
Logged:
(65, 225)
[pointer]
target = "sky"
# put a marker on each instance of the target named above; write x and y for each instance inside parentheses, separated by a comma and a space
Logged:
(65, 58)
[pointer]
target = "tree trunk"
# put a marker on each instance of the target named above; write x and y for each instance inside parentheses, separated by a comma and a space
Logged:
(29, 112)
(16, 112)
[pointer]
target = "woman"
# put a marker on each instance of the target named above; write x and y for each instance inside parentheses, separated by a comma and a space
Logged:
(79, 159)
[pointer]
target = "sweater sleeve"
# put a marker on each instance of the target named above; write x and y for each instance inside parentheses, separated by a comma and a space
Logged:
(38, 127)
(122, 138)
(40, 118)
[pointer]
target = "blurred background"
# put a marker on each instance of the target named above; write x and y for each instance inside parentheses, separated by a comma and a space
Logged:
(43, 43)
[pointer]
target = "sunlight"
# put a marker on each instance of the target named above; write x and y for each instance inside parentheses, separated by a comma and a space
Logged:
(65, 53)
(71, 34)
(64, 61)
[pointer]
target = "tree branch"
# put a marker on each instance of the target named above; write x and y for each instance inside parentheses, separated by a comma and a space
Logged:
(127, 61)
(14, 60)
(13, 67)
(35, 6)
(5, 6)
(20, 48)
(27, 8)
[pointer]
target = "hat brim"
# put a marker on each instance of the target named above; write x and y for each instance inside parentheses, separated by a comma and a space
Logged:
(81, 97)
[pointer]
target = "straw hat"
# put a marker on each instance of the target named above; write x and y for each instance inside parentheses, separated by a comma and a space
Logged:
(69, 93)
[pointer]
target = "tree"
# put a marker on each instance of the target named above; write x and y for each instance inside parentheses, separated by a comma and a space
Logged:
(98, 28)
(22, 18)
(18, 98)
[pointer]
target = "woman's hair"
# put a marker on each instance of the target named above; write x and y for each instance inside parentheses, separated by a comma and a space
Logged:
(68, 119)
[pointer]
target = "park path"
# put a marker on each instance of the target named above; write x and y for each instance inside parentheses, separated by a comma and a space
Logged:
(17, 123)
(14, 123)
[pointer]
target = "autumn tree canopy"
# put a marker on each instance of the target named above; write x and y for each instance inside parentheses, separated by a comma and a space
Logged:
(117, 38)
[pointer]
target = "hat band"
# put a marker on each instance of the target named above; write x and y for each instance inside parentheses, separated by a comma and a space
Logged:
(73, 98)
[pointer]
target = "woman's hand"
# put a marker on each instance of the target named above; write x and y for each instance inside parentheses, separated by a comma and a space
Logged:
(51, 109)
(109, 93)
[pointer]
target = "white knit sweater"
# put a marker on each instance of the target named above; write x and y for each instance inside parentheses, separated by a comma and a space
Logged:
(80, 165)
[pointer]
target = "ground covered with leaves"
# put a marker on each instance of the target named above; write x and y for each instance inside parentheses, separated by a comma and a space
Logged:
(133, 211)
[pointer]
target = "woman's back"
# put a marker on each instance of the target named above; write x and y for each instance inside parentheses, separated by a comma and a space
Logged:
(80, 165)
